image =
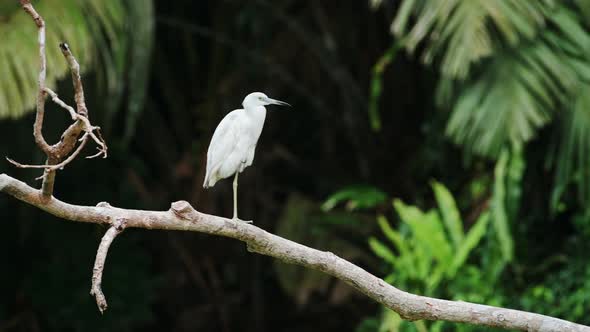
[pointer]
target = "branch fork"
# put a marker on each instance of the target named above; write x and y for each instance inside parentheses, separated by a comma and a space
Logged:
(63, 152)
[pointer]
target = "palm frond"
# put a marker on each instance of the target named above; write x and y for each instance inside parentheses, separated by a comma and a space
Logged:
(584, 7)
(573, 156)
(462, 32)
(519, 88)
(142, 23)
(66, 20)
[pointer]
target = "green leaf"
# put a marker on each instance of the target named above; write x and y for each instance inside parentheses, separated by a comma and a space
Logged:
(391, 321)
(573, 157)
(500, 218)
(382, 251)
(517, 91)
(514, 173)
(392, 235)
(356, 197)
(428, 231)
(462, 32)
(405, 259)
(449, 211)
(377, 84)
(141, 43)
(584, 7)
(472, 239)
(66, 20)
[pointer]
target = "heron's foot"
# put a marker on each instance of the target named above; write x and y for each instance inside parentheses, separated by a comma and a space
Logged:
(236, 219)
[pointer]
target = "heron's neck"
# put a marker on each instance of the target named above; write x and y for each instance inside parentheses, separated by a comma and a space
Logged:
(256, 112)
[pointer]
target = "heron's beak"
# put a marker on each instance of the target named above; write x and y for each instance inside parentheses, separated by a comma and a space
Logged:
(277, 102)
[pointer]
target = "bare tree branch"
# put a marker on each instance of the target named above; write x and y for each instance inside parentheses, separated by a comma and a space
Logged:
(82, 116)
(182, 217)
(54, 167)
(76, 79)
(38, 126)
(101, 256)
(64, 149)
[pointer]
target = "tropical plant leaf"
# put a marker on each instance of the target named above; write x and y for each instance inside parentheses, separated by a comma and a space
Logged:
(141, 15)
(390, 322)
(405, 259)
(392, 235)
(584, 7)
(573, 157)
(462, 32)
(472, 239)
(519, 88)
(499, 214)
(382, 251)
(377, 84)
(449, 211)
(428, 231)
(66, 20)
(356, 197)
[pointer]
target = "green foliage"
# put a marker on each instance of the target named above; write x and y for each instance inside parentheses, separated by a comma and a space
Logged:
(565, 292)
(501, 220)
(449, 211)
(584, 7)
(112, 37)
(508, 68)
(376, 87)
(516, 93)
(433, 247)
(80, 23)
(463, 32)
(428, 249)
(140, 31)
(573, 156)
(355, 197)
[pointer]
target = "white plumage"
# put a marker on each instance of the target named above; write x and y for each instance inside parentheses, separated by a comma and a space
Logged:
(233, 144)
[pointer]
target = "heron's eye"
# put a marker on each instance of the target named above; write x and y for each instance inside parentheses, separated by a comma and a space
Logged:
(259, 98)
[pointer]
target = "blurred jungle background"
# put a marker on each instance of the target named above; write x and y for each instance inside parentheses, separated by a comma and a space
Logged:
(443, 145)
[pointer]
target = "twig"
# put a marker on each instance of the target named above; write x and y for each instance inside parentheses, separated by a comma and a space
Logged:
(181, 216)
(61, 103)
(101, 256)
(83, 117)
(38, 126)
(76, 79)
(54, 167)
(48, 176)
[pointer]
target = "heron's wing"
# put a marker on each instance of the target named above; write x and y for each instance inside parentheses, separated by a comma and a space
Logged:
(251, 153)
(223, 142)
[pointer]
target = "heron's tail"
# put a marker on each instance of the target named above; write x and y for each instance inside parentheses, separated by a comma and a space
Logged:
(206, 182)
(210, 180)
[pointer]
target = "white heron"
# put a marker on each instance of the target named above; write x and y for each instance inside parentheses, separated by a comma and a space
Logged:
(234, 141)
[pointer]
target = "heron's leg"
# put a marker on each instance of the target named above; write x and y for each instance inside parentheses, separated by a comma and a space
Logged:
(236, 195)
(236, 201)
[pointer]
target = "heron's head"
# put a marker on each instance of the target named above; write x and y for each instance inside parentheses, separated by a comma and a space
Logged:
(260, 99)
